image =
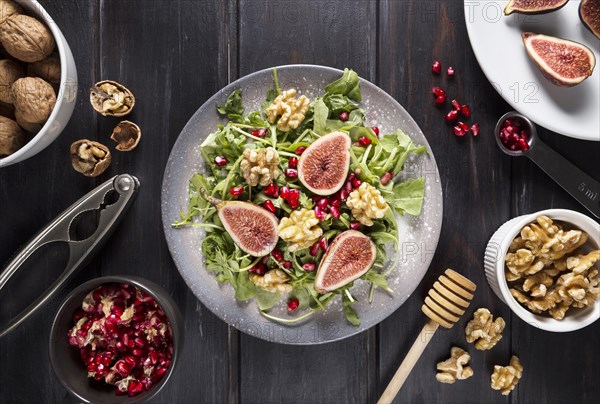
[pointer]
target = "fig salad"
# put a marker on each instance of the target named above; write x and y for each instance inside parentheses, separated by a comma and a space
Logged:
(298, 199)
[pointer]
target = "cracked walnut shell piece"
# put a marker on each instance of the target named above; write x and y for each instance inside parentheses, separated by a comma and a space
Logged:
(90, 158)
(290, 110)
(455, 368)
(110, 98)
(506, 378)
(484, 330)
(127, 135)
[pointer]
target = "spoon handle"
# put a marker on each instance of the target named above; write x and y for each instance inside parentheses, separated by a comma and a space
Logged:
(577, 183)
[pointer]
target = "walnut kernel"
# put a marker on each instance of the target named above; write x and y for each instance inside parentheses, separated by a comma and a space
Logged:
(90, 158)
(111, 98)
(26, 38)
(10, 71)
(367, 203)
(455, 368)
(12, 138)
(274, 281)
(484, 330)
(34, 99)
(301, 229)
(290, 110)
(127, 135)
(506, 378)
(260, 166)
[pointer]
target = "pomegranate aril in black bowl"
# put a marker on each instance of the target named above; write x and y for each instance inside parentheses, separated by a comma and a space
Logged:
(514, 134)
(116, 339)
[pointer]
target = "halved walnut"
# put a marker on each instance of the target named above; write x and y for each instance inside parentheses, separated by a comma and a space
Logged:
(127, 135)
(111, 98)
(455, 368)
(90, 158)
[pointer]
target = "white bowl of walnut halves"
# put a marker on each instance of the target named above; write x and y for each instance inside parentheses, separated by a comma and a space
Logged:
(38, 80)
(545, 266)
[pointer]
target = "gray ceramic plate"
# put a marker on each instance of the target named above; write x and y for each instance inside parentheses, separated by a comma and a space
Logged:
(418, 235)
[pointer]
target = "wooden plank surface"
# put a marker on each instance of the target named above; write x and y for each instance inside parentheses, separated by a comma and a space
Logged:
(174, 54)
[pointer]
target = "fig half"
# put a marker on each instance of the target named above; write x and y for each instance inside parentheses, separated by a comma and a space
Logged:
(349, 256)
(589, 13)
(563, 62)
(251, 227)
(323, 167)
(533, 6)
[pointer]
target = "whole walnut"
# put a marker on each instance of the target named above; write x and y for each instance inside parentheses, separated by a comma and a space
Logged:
(8, 8)
(30, 127)
(34, 99)
(12, 137)
(47, 69)
(26, 39)
(10, 71)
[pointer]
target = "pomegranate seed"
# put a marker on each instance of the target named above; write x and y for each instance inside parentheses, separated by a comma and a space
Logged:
(465, 110)
(220, 161)
(376, 130)
(335, 212)
(436, 67)
(259, 268)
(277, 254)
(456, 105)
(451, 116)
(314, 249)
(268, 205)
(320, 213)
(364, 141)
(335, 203)
(458, 131)
(343, 195)
(523, 144)
(450, 71)
(287, 264)
(440, 99)
(438, 92)
(309, 266)
(465, 128)
(294, 198)
(291, 173)
(271, 190)
(323, 244)
(344, 116)
(475, 129)
(292, 304)
(137, 352)
(513, 136)
(254, 133)
(236, 191)
(285, 193)
(356, 183)
(293, 162)
(354, 224)
(299, 150)
(262, 132)
(351, 176)
(348, 186)
(322, 203)
(134, 387)
(386, 178)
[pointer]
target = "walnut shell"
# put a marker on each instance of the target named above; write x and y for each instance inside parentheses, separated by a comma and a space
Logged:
(47, 69)
(10, 71)
(30, 127)
(34, 99)
(90, 158)
(26, 39)
(127, 135)
(111, 98)
(8, 8)
(12, 137)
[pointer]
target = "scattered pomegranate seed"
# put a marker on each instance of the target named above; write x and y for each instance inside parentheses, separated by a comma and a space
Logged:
(451, 116)
(355, 224)
(376, 130)
(440, 99)
(344, 116)
(259, 268)
(322, 203)
(320, 213)
(438, 92)
(343, 195)
(436, 67)
(456, 105)
(314, 249)
(450, 71)
(335, 212)
(350, 177)
(458, 131)
(291, 173)
(262, 132)
(277, 254)
(285, 193)
(385, 178)
(268, 205)
(292, 304)
(294, 198)
(287, 264)
(465, 110)
(464, 127)
(309, 266)
(220, 161)
(364, 141)
(299, 150)
(293, 162)
(323, 244)
(475, 129)
(348, 186)
(335, 203)
(356, 183)
(272, 191)
(236, 191)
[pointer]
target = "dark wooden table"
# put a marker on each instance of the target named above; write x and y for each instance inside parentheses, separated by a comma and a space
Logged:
(176, 54)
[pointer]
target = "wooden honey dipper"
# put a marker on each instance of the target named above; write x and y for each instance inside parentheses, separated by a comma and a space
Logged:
(446, 302)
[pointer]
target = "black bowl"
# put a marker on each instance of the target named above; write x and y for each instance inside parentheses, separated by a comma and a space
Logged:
(66, 360)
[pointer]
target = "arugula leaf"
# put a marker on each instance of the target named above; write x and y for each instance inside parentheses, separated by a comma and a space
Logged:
(350, 313)
(266, 300)
(320, 116)
(408, 196)
(348, 85)
(233, 107)
(408, 147)
(245, 289)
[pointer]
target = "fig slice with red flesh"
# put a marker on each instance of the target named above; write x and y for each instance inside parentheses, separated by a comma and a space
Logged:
(349, 256)
(533, 6)
(323, 166)
(563, 62)
(251, 227)
(589, 13)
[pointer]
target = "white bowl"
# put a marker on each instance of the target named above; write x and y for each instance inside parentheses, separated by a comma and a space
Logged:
(65, 99)
(495, 254)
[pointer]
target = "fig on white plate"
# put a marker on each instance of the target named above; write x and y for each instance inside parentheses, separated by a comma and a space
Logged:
(589, 13)
(533, 6)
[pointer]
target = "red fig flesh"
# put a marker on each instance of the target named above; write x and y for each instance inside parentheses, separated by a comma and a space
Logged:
(589, 12)
(349, 256)
(323, 167)
(533, 6)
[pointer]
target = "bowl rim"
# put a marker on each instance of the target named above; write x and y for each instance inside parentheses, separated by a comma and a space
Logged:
(547, 323)
(40, 12)
(162, 297)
